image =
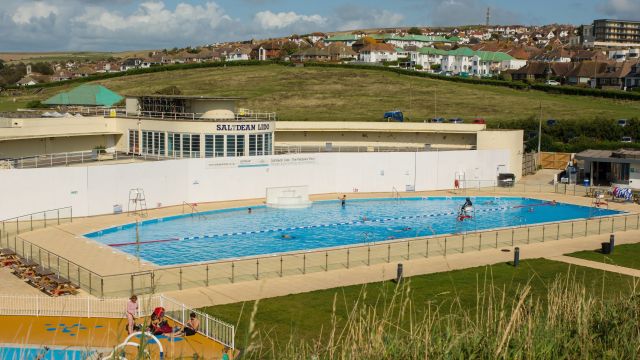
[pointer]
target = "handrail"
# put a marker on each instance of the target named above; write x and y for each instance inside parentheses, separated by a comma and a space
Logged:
(191, 206)
(37, 212)
(395, 193)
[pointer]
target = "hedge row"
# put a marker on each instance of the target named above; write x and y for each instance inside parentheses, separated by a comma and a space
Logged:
(155, 69)
(492, 82)
(509, 84)
(574, 90)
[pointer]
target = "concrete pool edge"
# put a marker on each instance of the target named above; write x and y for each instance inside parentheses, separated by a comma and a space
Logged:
(65, 239)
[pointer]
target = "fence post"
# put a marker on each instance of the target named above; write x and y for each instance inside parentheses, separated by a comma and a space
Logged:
(480, 243)
(132, 292)
(101, 287)
(257, 269)
(368, 255)
(347, 258)
(613, 221)
(408, 249)
(45, 219)
(512, 235)
(304, 264)
(496, 239)
(586, 227)
(528, 235)
(233, 266)
(326, 261)
(445, 246)
(426, 255)
(207, 278)
(31, 220)
(280, 266)
(558, 233)
(58, 216)
(625, 223)
(463, 244)
(543, 227)
(388, 253)
(599, 226)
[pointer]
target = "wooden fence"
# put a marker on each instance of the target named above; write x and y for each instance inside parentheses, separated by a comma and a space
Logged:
(554, 160)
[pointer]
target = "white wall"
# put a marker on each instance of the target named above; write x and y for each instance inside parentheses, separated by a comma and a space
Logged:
(94, 190)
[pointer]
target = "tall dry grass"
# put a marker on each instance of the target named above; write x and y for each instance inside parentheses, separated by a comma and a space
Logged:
(567, 322)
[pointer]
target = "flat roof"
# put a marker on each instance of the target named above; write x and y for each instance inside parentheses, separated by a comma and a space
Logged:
(378, 126)
(63, 135)
(613, 156)
(187, 97)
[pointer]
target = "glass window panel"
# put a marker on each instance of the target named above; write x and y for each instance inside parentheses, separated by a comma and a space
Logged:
(231, 145)
(186, 145)
(252, 145)
(208, 146)
(195, 145)
(239, 145)
(219, 140)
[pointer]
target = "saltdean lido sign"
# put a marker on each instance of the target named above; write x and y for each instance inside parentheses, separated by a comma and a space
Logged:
(243, 127)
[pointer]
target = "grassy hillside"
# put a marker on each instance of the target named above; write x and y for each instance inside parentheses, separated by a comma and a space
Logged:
(359, 95)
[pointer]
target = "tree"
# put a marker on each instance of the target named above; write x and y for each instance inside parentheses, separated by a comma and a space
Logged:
(42, 68)
(290, 48)
(414, 31)
(368, 40)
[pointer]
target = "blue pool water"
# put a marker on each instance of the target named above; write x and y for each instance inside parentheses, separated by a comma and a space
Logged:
(235, 233)
(30, 353)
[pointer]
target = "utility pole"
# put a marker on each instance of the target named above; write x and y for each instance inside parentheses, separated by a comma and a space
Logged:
(435, 101)
(539, 131)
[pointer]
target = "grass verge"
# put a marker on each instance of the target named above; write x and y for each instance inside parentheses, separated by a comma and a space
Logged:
(627, 255)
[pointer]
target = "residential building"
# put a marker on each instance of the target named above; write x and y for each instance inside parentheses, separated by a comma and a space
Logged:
(316, 37)
(584, 72)
(624, 54)
(267, 51)
(632, 79)
(541, 71)
(375, 53)
(614, 75)
(347, 39)
(238, 53)
(131, 63)
(312, 54)
(607, 32)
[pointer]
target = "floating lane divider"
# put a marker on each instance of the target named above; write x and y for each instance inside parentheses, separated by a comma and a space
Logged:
(360, 221)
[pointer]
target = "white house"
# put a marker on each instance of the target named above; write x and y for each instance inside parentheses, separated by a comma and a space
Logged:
(427, 57)
(375, 53)
(238, 54)
(317, 36)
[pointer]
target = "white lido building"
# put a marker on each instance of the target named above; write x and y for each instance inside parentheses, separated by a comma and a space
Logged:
(159, 125)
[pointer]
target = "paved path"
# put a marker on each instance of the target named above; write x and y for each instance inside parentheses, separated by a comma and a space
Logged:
(596, 265)
(273, 287)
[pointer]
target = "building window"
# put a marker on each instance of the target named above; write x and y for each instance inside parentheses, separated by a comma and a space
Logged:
(219, 145)
(239, 145)
(153, 143)
(184, 145)
(252, 145)
(231, 145)
(208, 146)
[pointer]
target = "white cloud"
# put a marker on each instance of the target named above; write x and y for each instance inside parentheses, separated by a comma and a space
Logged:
(351, 17)
(621, 8)
(270, 20)
(37, 10)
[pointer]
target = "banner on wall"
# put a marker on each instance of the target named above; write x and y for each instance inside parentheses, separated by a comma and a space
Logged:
(253, 162)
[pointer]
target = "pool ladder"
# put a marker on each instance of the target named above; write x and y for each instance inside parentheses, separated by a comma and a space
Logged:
(395, 193)
(193, 209)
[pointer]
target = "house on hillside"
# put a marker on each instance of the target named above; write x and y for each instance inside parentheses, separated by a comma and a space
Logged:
(267, 51)
(614, 75)
(311, 54)
(315, 37)
(27, 80)
(131, 63)
(488, 63)
(541, 71)
(376, 53)
(347, 39)
(428, 57)
(341, 52)
(584, 72)
(632, 79)
(240, 53)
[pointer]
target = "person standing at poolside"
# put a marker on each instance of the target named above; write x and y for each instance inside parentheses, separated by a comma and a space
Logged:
(132, 310)
(343, 201)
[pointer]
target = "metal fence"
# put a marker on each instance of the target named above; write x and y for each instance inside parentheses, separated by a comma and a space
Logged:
(299, 149)
(33, 221)
(68, 306)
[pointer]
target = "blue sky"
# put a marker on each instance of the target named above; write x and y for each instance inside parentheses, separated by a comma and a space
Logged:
(48, 25)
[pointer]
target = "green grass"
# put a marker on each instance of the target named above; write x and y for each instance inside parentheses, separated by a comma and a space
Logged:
(332, 94)
(308, 316)
(627, 255)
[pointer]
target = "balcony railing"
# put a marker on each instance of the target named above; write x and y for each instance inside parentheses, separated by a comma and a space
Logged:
(239, 116)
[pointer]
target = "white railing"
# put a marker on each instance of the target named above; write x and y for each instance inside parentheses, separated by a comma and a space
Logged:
(71, 158)
(210, 327)
(247, 115)
(114, 308)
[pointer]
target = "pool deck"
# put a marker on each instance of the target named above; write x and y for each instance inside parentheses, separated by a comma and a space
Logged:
(67, 240)
(95, 333)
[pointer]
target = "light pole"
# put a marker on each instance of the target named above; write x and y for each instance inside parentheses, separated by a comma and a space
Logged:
(539, 133)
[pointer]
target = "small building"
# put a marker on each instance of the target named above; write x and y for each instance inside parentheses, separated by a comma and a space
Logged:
(612, 168)
(375, 53)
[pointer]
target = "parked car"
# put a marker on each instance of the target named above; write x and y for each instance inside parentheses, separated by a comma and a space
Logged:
(479, 121)
(626, 139)
(456, 121)
(394, 115)
(552, 83)
(623, 122)
(552, 122)
(438, 120)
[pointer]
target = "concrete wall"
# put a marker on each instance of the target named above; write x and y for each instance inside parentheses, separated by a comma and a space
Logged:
(94, 190)
(32, 147)
(371, 138)
(510, 140)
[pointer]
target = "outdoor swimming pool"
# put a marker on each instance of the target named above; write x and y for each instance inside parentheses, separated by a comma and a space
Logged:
(235, 233)
(28, 353)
